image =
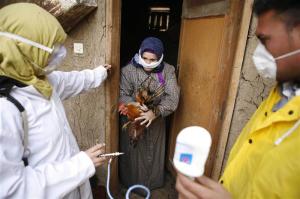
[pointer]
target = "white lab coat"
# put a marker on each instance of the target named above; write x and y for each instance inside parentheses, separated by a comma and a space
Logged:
(57, 169)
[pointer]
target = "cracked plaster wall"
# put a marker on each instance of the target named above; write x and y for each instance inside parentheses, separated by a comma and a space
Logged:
(252, 91)
(86, 112)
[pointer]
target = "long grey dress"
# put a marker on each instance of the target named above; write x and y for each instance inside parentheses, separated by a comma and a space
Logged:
(144, 164)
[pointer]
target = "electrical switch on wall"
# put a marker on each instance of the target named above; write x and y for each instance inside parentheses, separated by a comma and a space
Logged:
(78, 48)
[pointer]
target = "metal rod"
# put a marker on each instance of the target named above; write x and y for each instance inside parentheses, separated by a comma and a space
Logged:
(111, 154)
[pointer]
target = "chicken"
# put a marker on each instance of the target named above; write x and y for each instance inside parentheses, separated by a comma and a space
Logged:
(134, 128)
(133, 110)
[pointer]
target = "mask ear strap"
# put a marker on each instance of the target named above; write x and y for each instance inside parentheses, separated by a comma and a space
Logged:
(26, 41)
(288, 54)
(161, 58)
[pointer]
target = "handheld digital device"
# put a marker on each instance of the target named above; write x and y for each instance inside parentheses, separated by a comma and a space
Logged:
(191, 151)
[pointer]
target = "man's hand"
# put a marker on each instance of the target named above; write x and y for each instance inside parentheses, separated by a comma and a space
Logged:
(202, 188)
(146, 117)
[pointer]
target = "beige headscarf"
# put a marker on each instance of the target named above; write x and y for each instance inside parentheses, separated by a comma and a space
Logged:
(34, 23)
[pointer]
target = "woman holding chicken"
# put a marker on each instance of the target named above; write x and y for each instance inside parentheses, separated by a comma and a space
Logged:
(148, 93)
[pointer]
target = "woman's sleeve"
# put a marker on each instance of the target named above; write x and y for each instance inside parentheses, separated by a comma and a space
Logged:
(126, 87)
(52, 180)
(68, 84)
(170, 98)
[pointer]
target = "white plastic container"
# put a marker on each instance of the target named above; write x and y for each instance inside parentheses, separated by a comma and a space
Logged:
(191, 151)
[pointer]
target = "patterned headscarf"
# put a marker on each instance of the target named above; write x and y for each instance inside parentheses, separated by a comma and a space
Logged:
(152, 45)
(34, 23)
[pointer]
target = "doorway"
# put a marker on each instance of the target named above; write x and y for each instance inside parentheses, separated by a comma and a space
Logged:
(135, 27)
(211, 66)
(157, 18)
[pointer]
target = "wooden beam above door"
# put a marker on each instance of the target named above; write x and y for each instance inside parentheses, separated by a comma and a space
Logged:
(204, 8)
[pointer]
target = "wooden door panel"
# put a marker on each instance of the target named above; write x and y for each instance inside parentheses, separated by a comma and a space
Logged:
(199, 72)
(199, 68)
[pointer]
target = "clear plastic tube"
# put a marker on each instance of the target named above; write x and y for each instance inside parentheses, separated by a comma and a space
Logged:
(137, 186)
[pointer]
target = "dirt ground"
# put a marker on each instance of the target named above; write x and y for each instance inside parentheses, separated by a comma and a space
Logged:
(166, 192)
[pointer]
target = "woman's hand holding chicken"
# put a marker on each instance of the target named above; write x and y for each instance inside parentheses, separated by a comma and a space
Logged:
(146, 118)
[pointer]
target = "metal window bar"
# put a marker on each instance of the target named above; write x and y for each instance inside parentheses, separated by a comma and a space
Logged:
(159, 18)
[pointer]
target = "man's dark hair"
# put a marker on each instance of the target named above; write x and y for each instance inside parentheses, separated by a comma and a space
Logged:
(288, 10)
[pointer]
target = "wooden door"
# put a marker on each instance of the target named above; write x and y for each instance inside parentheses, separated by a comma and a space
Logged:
(206, 52)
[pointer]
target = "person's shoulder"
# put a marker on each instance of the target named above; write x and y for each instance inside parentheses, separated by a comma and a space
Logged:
(128, 68)
(54, 77)
(10, 119)
(129, 65)
(8, 109)
(168, 67)
(274, 91)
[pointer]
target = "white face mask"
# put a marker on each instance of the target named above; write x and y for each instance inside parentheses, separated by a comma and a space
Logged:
(265, 63)
(57, 53)
(152, 65)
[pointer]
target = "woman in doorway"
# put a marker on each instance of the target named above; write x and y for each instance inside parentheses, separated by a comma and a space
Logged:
(150, 85)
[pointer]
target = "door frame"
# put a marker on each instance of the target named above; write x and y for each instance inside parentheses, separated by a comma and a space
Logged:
(233, 88)
(112, 56)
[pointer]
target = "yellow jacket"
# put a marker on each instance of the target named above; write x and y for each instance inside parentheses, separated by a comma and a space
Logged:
(257, 167)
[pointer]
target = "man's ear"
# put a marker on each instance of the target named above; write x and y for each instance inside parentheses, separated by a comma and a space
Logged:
(297, 28)
(295, 35)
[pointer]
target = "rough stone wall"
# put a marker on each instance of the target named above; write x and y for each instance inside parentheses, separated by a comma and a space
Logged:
(252, 91)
